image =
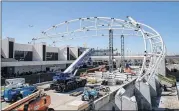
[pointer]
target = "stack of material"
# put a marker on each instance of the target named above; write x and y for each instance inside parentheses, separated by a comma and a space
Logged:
(120, 76)
(79, 105)
(94, 77)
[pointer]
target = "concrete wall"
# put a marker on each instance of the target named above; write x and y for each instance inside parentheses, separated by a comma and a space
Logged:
(32, 63)
(101, 102)
(2, 53)
(136, 96)
(107, 102)
(5, 47)
(62, 53)
(51, 49)
(37, 52)
(74, 51)
(127, 103)
(111, 106)
(36, 68)
(125, 98)
(37, 49)
(30, 68)
(162, 68)
(22, 47)
(153, 90)
(143, 97)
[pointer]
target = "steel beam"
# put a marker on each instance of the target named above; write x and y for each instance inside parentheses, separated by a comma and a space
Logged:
(122, 53)
(110, 50)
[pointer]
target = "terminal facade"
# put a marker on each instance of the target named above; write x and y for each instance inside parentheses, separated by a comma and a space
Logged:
(19, 58)
(34, 58)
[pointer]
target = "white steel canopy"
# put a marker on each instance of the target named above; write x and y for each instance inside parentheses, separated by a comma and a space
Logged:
(154, 48)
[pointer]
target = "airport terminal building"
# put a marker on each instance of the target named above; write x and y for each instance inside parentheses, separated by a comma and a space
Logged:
(34, 58)
(18, 58)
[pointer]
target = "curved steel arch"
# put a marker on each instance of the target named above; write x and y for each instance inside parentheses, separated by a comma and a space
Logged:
(91, 26)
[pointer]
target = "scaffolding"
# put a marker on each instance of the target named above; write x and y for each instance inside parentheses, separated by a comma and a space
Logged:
(122, 53)
(110, 50)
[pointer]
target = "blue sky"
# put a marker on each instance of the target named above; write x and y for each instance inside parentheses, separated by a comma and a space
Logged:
(162, 16)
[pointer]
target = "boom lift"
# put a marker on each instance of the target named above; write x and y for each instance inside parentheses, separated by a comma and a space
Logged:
(16, 89)
(65, 81)
(35, 101)
(14, 83)
(15, 94)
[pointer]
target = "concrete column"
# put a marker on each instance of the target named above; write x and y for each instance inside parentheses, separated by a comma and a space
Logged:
(37, 52)
(62, 53)
(117, 63)
(74, 51)
(162, 68)
(142, 94)
(123, 100)
(5, 46)
(153, 90)
(158, 86)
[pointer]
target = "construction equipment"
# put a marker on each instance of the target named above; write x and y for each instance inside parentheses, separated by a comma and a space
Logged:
(66, 81)
(127, 69)
(14, 83)
(101, 68)
(90, 93)
(35, 101)
(15, 94)
(40, 103)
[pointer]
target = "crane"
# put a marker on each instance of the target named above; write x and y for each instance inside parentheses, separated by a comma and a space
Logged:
(67, 80)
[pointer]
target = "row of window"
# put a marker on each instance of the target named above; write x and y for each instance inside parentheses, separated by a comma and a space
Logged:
(28, 56)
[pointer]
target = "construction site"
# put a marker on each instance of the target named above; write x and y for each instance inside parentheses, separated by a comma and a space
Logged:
(89, 80)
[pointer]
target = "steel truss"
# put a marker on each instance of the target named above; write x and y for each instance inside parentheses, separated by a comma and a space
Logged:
(92, 27)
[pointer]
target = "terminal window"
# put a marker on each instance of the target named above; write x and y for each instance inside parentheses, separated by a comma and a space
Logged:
(50, 56)
(23, 55)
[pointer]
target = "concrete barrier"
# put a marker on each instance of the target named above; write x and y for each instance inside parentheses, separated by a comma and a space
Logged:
(101, 102)
(125, 98)
(143, 96)
(153, 90)
(107, 99)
